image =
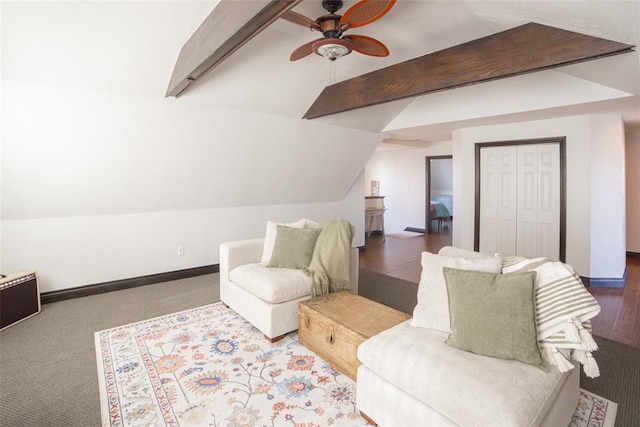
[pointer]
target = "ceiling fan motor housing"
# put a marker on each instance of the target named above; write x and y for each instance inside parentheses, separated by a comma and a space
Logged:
(329, 25)
(332, 6)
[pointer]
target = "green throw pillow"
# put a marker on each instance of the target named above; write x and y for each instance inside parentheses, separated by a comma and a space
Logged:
(293, 247)
(494, 314)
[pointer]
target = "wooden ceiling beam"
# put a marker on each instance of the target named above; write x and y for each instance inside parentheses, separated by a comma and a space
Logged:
(524, 49)
(228, 27)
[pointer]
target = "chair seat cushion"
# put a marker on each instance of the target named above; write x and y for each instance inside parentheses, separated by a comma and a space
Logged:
(467, 388)
(272, 285)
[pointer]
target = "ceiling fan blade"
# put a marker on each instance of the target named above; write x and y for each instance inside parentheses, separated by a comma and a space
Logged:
(304, 50)
(368, 45)
(296, 18)
(365, 12)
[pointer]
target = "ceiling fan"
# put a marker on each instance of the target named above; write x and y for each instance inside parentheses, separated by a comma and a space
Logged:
(334, 44)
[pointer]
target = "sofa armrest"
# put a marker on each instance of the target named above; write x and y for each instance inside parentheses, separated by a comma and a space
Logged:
(234, 254)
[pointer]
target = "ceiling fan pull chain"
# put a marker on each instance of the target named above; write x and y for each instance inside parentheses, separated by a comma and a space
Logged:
(332, 72)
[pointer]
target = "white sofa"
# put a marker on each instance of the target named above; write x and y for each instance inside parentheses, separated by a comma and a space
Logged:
(266, 297)
(409, 376)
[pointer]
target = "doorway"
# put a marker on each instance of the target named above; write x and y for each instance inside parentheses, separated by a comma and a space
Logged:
(439, 193)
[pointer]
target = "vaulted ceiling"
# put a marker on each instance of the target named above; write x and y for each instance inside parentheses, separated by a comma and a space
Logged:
(259, 76)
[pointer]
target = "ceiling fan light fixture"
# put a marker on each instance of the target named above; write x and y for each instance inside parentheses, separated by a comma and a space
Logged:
(332, 49)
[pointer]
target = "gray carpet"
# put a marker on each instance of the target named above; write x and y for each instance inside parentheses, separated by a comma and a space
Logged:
(48, 367)
(396, 293)
(619, 379)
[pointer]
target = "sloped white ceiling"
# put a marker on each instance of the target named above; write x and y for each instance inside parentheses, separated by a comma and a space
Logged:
(529, 92)
(259, 76)
(87, 129)
(99, 63)
(148, 35)
(116, 47)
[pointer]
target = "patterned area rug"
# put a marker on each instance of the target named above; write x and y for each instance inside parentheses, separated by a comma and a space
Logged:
(208, 366)
(594, 411)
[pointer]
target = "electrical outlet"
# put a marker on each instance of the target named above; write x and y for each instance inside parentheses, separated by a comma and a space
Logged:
(180, 250)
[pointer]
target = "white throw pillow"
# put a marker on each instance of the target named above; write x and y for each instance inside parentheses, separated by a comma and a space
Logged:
(308, 223)
(464, 253)
(432, 310)
(270, 236)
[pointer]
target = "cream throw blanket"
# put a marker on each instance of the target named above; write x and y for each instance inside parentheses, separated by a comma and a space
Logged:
(564, 308)
(330, 266)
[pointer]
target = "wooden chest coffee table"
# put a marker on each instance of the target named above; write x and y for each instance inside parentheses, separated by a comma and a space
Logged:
(334, 325)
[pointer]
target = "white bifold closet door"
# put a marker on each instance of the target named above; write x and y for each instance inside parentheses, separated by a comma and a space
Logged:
(520, 200)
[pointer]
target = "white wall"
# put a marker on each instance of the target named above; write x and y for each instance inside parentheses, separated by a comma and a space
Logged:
(102, 177)
(401, 172)
(608, 211)
(74, 251)
(595, 198)
(442, 177)
(632, 149)
(98, 187)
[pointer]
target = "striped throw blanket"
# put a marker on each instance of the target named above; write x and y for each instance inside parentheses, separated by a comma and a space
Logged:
(564, 308)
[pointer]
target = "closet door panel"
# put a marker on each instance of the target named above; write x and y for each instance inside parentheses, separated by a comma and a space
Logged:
(527, 195)
(549, 200)
(489, 200)
(539, 201)
(507, 210)
(520, 200)
(498, 202)
(527, 238)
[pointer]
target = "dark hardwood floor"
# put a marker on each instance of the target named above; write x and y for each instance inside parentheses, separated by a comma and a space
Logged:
(619, 319)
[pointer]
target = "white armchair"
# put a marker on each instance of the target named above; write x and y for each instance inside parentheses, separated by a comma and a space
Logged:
(412, 375)
(266, 297)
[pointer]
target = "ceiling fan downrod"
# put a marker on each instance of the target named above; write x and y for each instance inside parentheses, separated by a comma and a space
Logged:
(332, 6)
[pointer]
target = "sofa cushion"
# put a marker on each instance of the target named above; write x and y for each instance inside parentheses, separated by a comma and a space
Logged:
(293, 247)
(493, 314)
(467, 388)
(272, 285)
(432, 310)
